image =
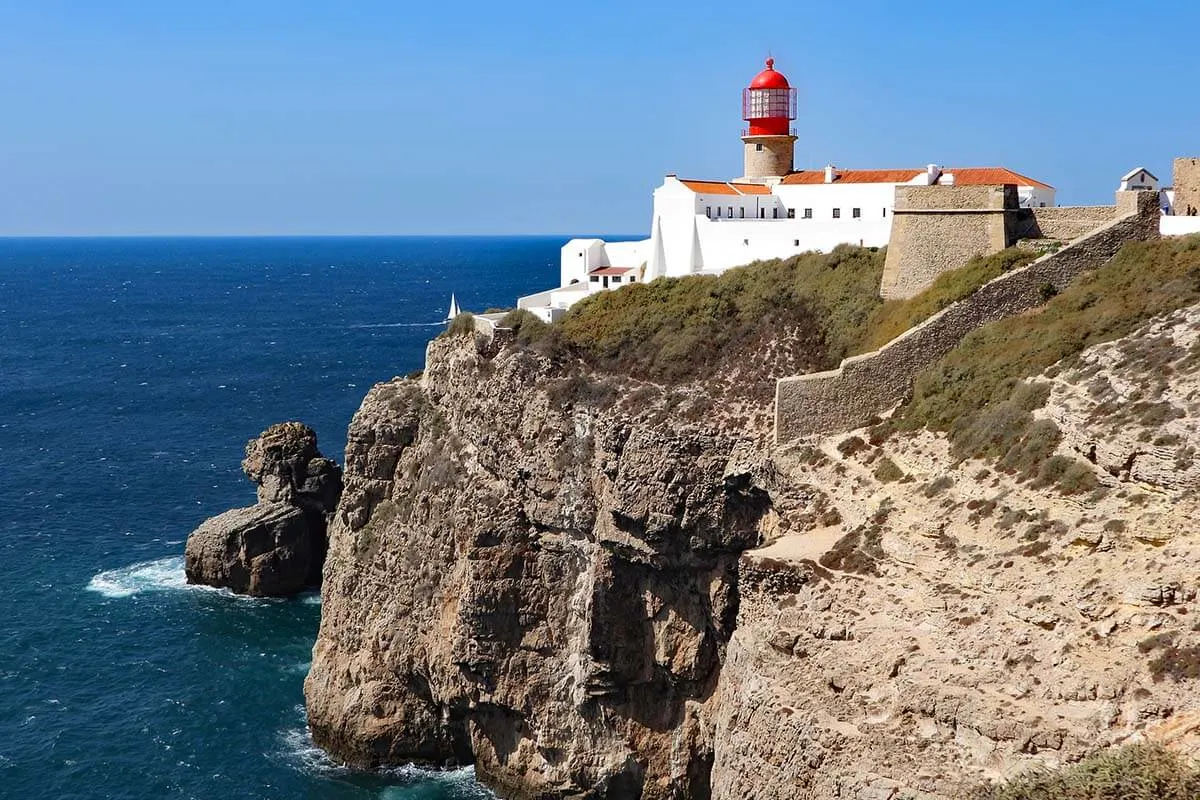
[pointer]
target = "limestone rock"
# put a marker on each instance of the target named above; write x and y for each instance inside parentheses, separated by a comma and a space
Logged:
(288, 468)
(519, 578)
(276, 547)
(592, 601)
(268, 549)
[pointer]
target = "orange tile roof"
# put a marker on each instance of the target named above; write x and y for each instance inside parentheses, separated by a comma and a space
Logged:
(812, 176)
(805, 176)
(721, 187)
(981, 176)
(965, 176)
(751, 188)
(710, 187)
(610, 270)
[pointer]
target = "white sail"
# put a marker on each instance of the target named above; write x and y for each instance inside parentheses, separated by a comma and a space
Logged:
(454, 309)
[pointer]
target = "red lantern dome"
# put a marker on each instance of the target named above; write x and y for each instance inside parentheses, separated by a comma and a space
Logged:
(769, 78)
(769, 103)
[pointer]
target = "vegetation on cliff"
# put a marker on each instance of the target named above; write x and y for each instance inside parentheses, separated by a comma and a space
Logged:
(975, 392)
(1135, 772)
(773, 317)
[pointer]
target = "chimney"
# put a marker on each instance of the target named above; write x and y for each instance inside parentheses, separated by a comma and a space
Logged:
(829, 168)
(934, 172)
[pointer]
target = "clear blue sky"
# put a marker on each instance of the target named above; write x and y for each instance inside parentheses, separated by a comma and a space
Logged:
(249, 117)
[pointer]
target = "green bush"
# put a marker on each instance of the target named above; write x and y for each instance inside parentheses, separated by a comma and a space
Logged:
(678, 329)
(461, 325)
(894, 317)
(977, 391)
(886, 471)
(1133, 772)
(1144, 280)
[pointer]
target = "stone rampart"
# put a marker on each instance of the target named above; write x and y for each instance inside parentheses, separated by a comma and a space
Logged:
(1187, 187)
(869, 384)
(939, 228)
(1064, 222)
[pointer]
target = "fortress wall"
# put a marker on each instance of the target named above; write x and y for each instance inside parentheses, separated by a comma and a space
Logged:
(869, 384)
(939, 228)
(1187, 187)
(1063, 222)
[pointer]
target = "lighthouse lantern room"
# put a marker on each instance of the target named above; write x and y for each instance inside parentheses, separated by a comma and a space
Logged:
(769, 106)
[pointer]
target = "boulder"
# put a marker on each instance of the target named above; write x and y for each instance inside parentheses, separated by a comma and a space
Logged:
(277, 546)
(267, 550)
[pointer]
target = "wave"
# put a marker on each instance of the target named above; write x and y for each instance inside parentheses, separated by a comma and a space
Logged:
(411, 781)
(398, 325)
(163, 575)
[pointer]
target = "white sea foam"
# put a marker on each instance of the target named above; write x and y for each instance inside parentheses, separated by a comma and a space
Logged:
(398, 325)
(298, 748)
(311, 598)
(163, 575)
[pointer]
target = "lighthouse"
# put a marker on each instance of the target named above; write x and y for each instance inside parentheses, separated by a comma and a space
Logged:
(769, 106)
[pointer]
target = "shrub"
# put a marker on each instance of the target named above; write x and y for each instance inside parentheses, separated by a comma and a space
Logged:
(462, 325)
(1144, 279)
(894, 317)
(886, 471)
(1132, 772)
(677, 329)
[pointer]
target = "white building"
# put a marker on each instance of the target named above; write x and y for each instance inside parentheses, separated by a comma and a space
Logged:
(772, 211)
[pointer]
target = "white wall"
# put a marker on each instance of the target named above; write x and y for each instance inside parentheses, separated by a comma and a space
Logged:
(578, 257)
(1035, 197)
(1178, 226)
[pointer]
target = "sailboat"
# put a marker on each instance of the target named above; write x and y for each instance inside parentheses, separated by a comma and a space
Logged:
(454, 309)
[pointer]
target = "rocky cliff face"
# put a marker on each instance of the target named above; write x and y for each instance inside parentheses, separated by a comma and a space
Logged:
(520, 579)
(591, 600)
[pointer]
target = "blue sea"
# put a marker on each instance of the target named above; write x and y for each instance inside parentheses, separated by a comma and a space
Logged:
(132, 372)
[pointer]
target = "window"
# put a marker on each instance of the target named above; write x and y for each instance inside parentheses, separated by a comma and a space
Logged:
(745, 241)
(708, 211)
(808, 213)
(774, 213)
(742, 212)
(731, 212)
(856, 213)
(795, 242)
(885, 211)
(594, 279)
(632, 278)
(791, 213)
(616, 279)
(758, 147)
(718, 212)
(837, 213)
(762, 213)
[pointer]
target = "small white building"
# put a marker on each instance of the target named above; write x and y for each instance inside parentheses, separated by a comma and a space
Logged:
(1137, 180)
(772, 211)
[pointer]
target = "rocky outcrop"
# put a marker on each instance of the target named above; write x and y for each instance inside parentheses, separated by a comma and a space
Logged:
(277, 546)
(566, 583)
(532, 579)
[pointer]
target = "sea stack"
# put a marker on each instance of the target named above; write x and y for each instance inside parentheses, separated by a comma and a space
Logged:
(276, 547)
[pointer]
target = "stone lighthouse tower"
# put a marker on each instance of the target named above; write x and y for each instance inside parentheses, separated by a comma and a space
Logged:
(769, 106)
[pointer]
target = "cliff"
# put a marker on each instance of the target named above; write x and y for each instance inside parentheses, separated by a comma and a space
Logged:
(528, 573)
(590, 587)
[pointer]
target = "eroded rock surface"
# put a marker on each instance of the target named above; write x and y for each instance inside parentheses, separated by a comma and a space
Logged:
(277, 546)
(519, 579)
(604, 600)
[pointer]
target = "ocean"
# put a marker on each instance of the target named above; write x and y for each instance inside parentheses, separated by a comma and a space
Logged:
(132, 373)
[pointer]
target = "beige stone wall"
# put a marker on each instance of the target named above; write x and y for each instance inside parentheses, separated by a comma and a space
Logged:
(939, 228)
(1187, 187)
(1063, 222)
(775, 158)
(867, 385)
